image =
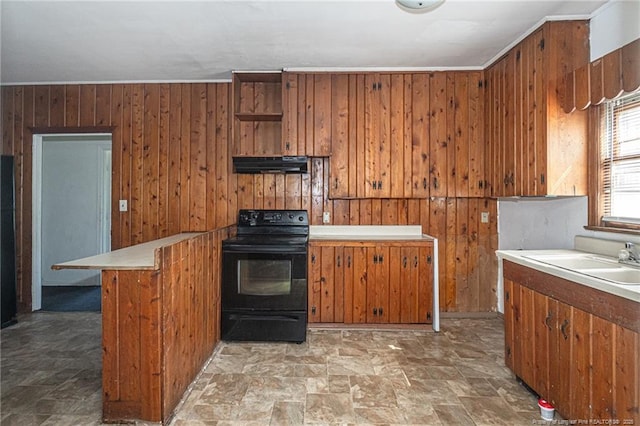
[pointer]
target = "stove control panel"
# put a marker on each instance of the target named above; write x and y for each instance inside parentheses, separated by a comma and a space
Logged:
(273, 217)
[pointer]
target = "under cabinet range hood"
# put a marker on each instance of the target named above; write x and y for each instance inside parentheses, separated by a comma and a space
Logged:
(254, 165)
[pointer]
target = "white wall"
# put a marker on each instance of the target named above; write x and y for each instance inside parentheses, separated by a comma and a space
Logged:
(536, 224)
(614, 25)
(73, 199)
(540, 223)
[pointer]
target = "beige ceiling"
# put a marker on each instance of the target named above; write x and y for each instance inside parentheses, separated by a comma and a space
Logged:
(108, 41)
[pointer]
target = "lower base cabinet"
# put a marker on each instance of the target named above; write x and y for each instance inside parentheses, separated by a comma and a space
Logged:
(370, 282)
(577, 347)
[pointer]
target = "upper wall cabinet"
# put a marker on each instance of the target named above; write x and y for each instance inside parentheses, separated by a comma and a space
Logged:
(407, 135)
(308, 114)
(282, 114)
(534, 148)
(257, 107)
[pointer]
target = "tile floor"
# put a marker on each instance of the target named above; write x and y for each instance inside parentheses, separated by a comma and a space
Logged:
(50, 375)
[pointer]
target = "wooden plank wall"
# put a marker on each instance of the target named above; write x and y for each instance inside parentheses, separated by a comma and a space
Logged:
(159, 328)
(171, 156)
(190, 315)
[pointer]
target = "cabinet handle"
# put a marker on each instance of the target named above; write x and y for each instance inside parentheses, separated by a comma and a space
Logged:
(322, 279)
(506, 295)
(429, 259)
(375, 312)
(435, 182)
(338, 261)
(348, 261)
(380, 259)
(336, 184)
(313, 310)
(380, 311)
(286, 146)
(379, 86)
(375, 258)
(542, 178)
(313, 258)
(379, 184)
(375, 185)
(563, 329)
(373, 86)
(428, 316)
(547, 319)
(424, 183)
(404, 262)
(415, 262)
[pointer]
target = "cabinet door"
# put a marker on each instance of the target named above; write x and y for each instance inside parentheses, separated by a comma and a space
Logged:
(338, 289)
(509, 339)
(326, 284)
(417, 136)
(314, 284)
(409, 285)
(560, 358)
(307, 114)
(355, 285)
(544, 325)
(416, 285)
(376, 137)
(378, 285)
(425, 285)
(347, 148)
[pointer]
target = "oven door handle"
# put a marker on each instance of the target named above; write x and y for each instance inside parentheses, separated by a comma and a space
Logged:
(240, 317)
(265, 249)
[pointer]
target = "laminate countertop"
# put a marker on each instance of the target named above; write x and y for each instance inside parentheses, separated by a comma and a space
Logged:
(367, 233)
(522, 257)
(140, 256)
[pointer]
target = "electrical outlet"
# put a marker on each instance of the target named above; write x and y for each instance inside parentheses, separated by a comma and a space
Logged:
(326, 217)
(123, 205)
(484, 217)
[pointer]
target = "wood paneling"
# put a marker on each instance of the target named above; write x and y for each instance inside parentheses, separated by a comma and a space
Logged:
(158, 328)
(577, 349)
(172, 161)
(170, 155)
(535, 147)
(605, 78)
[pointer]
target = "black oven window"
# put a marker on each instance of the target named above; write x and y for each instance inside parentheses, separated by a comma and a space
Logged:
(264, 277)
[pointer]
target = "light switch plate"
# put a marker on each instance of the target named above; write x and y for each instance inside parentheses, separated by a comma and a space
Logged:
(484, 217)
(123, 205)
(326, 217)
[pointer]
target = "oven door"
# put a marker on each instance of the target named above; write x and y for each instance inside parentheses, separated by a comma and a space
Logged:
(264, 280)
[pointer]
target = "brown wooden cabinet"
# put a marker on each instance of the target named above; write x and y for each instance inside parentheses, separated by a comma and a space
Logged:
(577, 347)
(533, 146)
(309, 114)
(408, 135)
(257, 114)
(371, 282)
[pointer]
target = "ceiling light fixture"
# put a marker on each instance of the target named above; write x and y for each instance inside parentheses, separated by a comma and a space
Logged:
(418, 6)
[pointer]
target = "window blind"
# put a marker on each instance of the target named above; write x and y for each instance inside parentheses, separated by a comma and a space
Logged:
(620, 160)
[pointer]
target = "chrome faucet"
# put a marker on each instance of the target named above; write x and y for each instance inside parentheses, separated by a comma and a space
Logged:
(633, 256)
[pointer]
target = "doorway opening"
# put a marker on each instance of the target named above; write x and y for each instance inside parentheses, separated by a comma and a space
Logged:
(71, 210)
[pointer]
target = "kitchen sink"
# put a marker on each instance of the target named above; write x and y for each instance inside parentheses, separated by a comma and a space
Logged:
(594, 266)
(576, 261)
(625, 276)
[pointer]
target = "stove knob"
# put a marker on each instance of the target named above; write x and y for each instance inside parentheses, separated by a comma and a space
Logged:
(290, 215)
(300, 218)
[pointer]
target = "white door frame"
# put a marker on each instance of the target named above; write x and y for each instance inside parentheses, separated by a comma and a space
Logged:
(36, 226)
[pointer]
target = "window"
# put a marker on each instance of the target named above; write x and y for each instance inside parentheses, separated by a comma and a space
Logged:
(620, 162)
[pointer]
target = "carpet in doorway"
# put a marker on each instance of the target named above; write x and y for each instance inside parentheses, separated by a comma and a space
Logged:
(71, 298)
